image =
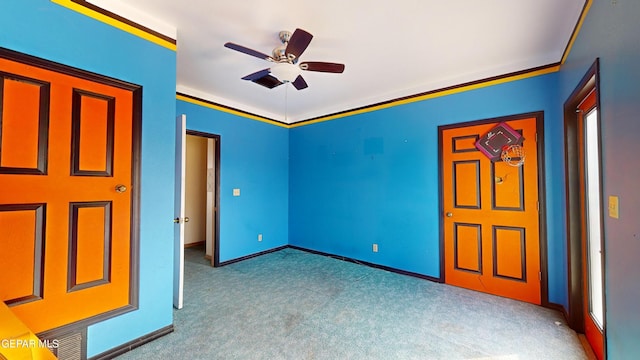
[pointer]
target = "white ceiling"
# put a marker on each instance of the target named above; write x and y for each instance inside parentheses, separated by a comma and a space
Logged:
(391, 49)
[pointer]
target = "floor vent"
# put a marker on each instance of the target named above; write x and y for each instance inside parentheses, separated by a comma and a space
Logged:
(70, 347)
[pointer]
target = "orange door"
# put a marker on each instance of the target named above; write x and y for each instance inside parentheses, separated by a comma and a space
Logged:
(591, 207)
(65, 199)
(491, 231)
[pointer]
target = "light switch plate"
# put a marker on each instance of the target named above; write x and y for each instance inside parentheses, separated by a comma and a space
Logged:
(614, 207)
(236, 192)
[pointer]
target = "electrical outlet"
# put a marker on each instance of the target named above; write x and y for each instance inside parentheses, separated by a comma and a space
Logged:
(375, 247)
(259, 237)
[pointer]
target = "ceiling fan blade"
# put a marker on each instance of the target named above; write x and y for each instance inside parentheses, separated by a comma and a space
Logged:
(247, 51)
(322, 66)
(299, 83)
(268, 81)
(263, 78)
(298, 43)
(257, 75)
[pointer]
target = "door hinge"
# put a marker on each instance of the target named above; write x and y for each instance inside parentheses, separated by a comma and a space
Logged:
(538, 206)
(536, 137)
(539, 275)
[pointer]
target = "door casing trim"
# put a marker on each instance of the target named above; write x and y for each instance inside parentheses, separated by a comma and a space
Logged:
(216, 239)
(575, 316)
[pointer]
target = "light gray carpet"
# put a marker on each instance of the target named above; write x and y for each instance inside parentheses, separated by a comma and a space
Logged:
(292, 304)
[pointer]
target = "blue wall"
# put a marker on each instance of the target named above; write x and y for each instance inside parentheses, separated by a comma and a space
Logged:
(610, 32)
(373, 178)
(357, 180)
(44, 29)
(254, 158)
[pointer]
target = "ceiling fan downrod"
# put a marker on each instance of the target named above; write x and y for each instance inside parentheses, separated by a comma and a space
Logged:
(279, 54)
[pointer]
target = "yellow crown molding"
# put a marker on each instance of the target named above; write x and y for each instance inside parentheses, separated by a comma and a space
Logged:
(211, 105)
(583, 15)
(403, 101)
(116, 23)
(434, 94)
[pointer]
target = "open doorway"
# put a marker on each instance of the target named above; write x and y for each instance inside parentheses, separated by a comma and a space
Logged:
(202, 195)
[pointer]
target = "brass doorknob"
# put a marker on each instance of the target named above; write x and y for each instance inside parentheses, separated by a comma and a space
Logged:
(120, 188)
(186, 219)
(449, 214)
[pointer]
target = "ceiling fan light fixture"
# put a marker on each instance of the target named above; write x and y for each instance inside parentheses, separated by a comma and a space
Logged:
(285, 72)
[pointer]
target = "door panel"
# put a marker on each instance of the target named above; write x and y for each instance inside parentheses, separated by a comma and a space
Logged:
(507, 194)
(491, 224)
(24, 224)
(66, 145)
(467, 193)
(93, 126)
(509, 253)
(90, 244)
(467, 247)
(25, 124)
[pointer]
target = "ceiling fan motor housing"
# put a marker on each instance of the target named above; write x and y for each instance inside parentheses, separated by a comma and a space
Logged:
(279, 53)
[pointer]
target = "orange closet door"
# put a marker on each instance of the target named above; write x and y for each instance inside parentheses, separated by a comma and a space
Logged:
(491, 226)
(65, 199)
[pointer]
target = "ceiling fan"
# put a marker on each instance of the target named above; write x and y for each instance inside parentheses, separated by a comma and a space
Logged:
(285, 58)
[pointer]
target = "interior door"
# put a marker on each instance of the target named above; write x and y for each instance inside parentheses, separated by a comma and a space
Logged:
(179, 204)
(66, 147)
(490, 219)
(591, 205)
